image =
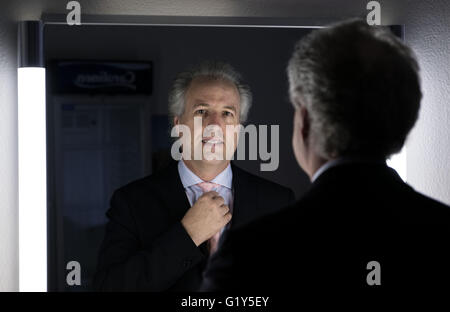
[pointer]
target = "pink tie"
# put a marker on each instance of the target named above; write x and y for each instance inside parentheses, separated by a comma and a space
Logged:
(213, 241)
(207, 186)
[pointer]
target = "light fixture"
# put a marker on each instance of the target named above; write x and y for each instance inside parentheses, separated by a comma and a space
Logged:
(32, 158)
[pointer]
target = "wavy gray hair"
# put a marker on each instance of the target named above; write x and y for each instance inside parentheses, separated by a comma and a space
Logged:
(361, 87)
(213, 70)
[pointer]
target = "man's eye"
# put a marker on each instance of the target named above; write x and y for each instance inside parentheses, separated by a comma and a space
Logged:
(200, 112)
(228, 114)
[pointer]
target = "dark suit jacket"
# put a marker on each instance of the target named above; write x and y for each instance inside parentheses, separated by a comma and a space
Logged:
(352, 214)
(145, 246)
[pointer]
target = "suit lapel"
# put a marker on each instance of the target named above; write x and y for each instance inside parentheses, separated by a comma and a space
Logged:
(172, 191)
(174, 195)
(245, 197)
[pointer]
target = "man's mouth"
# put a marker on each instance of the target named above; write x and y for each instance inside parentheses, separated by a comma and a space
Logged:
(212, 141)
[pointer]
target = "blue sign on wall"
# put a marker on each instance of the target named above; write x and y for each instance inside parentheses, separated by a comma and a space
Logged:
(91, 77)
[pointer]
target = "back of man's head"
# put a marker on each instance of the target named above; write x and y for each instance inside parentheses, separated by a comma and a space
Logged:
(360, 86)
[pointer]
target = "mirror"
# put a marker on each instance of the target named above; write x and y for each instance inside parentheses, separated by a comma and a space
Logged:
(107, 117)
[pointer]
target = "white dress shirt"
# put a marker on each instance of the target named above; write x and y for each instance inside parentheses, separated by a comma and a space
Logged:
(193, 191)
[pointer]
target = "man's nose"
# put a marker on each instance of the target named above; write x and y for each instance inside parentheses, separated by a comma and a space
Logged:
(214, 119)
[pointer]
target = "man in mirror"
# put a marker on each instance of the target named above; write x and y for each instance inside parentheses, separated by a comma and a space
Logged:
(163, 228)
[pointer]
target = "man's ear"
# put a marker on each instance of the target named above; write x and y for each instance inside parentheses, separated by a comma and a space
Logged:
(304, 123)
(176, 120)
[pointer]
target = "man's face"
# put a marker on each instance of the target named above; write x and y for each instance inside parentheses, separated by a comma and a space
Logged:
(217, 103)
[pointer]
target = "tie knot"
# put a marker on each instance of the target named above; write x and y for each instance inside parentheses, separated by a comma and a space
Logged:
(207, 186)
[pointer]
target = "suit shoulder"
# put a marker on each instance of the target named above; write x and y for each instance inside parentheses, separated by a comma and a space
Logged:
(145, 184)
(430, 208)
(136, 185)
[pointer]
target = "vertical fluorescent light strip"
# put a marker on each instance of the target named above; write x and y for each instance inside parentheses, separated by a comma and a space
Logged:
(398, 162)
(32, 160)
(32, 180)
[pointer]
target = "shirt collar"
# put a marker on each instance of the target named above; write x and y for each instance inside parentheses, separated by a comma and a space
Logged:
(188, 178)
(344, 160)
(324, 167)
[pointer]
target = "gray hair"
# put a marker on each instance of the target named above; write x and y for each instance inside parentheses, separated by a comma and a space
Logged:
(213, 70)
(361, 87)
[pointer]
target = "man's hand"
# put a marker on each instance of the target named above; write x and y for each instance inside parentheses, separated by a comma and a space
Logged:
(206, 217)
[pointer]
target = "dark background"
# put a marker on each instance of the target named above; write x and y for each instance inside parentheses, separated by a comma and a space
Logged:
(99, 142)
